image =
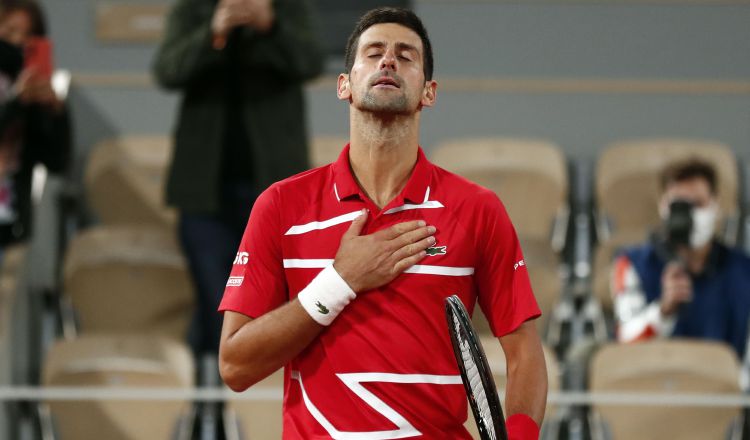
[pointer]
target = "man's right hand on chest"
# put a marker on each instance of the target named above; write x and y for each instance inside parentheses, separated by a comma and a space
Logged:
(369, 261)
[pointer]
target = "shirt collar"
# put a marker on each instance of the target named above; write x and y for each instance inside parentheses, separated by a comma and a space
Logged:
(415, 190)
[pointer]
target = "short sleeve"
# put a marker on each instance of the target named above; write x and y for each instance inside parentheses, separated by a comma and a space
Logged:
(256, 284)
(504, 289)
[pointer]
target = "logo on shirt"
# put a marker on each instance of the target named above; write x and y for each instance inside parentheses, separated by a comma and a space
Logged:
(436, 250)
(519, 264)
(321, 308)
(241, 258)
(235, 281)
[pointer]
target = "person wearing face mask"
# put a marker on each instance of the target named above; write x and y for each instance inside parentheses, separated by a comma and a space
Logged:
(34, 124)
(683, 282)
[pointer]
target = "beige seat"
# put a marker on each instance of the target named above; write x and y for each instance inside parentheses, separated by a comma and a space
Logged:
(128, 278)
(627, 180)
(257, 419)
(496, 361)
(326, 149)
(117, 362)
(673, 367)
(124, 180)
(515, 169)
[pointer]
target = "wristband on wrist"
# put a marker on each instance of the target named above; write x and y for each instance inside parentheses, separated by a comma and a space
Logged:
(326, 296)
(521, 427)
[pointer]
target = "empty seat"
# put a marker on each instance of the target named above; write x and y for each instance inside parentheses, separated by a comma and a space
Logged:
(127, 278)
(118, 362)
(326, 149)
(258, 418)
(124, 180)
(665, 366)
(531, 178)
(627, 180)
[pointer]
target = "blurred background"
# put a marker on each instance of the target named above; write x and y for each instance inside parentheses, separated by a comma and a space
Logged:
(568, 109)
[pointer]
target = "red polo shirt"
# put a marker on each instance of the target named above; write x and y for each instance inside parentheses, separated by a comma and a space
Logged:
(384, 368)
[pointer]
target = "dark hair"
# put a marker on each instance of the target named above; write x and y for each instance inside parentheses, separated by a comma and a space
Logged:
(32, 8)
(400, 16)
(689, 169)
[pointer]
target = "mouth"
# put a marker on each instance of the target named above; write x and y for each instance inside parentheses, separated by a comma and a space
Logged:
(386, 82)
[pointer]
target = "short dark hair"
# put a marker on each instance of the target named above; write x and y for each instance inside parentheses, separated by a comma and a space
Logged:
(401, 16)
(689, 169)
(32, 8)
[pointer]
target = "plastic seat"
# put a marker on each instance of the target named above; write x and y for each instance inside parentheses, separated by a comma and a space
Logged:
(257, 419)
(117, 362)
(124, 180)
(628, 188)
(128, 278)
(531, 178)
(665, 366)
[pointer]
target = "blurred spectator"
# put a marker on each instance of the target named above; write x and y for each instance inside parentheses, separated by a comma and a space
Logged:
(240, 65)
(34, 125)
(683, 282)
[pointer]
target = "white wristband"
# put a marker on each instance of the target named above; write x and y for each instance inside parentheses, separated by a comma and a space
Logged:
(326, 296)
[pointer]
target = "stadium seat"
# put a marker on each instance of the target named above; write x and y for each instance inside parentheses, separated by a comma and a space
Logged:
(627, 182)
(128, 278)
(515, 169)
(124, 181)
(257, 419)
(117, 362)
(496, 361)
(326, 149)
(664, 366)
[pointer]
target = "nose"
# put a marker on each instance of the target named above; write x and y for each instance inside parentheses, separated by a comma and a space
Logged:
(388, 62)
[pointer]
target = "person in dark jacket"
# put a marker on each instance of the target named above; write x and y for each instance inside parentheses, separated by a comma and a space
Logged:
(34, 123)
(240, 65)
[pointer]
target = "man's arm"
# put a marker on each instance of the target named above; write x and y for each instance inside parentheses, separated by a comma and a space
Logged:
(251, 349)
(526, 391)
(638, 319)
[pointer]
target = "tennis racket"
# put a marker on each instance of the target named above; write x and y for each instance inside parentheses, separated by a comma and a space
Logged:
(475, 372)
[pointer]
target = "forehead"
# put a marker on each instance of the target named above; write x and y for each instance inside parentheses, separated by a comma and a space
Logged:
(389, 33)
(693, 188)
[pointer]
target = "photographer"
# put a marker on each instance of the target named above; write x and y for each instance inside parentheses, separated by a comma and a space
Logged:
(34, 125)
(683, 282)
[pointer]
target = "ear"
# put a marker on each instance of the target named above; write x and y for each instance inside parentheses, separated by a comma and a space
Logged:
(429, 94)
(343, 88)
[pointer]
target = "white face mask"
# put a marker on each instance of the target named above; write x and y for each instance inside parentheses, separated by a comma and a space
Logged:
(704, 221)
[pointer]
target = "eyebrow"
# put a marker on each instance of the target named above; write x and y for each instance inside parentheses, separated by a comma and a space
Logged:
(400, 46)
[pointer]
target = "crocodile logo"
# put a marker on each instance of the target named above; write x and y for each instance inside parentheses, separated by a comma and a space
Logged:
(321, 308)
(436, 250)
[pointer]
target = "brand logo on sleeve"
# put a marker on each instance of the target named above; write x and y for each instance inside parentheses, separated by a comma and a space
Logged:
(436, 250)
(321, 308)
(235, 281)
(519, 264)
(241, 258)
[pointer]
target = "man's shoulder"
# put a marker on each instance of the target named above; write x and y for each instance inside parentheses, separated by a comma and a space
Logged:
(453, 186)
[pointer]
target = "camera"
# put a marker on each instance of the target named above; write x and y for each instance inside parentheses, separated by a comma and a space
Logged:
(679, 224)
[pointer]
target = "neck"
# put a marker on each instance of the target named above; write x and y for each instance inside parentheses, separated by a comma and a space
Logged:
(695, 259)
(383, 151)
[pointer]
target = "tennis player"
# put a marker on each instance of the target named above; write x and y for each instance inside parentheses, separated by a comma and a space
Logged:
(343, 270)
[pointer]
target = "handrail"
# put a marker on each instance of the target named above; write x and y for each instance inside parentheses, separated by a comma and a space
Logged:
(219, 394)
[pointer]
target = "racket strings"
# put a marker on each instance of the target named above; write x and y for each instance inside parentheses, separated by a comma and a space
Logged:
(475, 380)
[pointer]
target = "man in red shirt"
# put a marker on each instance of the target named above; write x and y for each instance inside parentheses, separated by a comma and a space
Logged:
(343, 270)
